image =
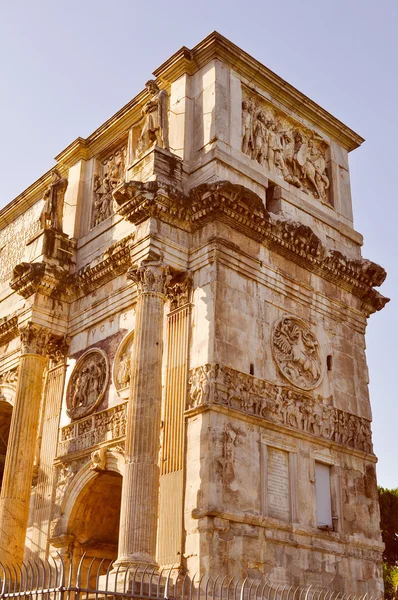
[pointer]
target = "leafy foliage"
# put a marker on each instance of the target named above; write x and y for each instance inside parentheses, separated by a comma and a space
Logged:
(389, 530)
(390, 576)
(389, 524)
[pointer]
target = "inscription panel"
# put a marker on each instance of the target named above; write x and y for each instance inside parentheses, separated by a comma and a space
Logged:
(278, 486)
(13, 239)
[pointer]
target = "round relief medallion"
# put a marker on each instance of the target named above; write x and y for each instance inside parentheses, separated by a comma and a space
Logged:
(297, 352)
(87, 384)
(122, 366)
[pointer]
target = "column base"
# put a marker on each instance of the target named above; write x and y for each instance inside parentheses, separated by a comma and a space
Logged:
(133, 576)
(136, 559)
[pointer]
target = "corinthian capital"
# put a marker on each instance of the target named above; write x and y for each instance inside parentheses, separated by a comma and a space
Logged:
(34, 339)
(151, 277)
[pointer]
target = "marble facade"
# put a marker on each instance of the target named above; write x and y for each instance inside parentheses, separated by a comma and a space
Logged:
(183, 311)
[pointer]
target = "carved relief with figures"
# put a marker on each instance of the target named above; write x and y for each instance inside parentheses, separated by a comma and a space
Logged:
(217, 384)
(284, 147)
(90, 431)
(297, 352)
(110, 174)
(122, 366)
(87, 384)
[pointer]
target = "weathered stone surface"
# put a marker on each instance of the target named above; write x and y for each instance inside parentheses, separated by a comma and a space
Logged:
(190, 289)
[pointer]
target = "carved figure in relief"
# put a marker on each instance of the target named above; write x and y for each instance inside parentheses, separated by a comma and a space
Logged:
(276, 142)
(155, 127)
(260, 150)
(247, 125)
(297, 353)
(87, 383)
(53, 210)
(111, 175)
(123, 372)
(277, 403)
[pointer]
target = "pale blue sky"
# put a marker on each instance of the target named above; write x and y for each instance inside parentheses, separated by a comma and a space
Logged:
(66, 67)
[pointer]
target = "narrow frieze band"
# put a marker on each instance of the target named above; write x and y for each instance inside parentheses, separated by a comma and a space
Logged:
(217, 384)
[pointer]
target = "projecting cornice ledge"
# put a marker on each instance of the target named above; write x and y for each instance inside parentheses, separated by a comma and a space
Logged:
(244, 210)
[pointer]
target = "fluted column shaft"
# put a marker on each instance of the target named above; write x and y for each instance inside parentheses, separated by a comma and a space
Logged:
(18, 469)
(140, 491)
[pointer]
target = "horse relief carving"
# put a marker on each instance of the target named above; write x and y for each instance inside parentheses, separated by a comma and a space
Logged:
(297, 353)
(87, 384)
(276, 142)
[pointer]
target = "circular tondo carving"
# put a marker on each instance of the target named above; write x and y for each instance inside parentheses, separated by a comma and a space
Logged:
(297, 352)
(87, 384)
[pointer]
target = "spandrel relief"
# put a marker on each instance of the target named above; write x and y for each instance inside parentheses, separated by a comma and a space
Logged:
(122, 366)
(297, 352)
(283, 147)
(110, 174)
(87, 384)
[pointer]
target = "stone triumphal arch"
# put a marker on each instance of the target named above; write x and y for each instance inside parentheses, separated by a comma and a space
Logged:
(183, 302)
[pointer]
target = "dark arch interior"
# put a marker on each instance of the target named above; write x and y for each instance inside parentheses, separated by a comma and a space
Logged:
(94, 521)
(5, 422)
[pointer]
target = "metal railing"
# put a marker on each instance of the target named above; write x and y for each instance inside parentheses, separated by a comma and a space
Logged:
(94, 578)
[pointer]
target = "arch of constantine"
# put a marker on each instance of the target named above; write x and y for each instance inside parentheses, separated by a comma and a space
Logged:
(183, 304)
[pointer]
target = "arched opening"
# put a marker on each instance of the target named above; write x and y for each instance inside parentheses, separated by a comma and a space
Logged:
(5, 422)
(94, 520)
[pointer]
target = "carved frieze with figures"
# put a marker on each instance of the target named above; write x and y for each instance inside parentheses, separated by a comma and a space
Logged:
(217, 384)
(110, 174)
(87, 384)
(95, 429)
(297, 352)
(284, 147)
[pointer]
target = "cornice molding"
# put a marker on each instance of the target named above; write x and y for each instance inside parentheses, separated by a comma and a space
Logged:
(8, 329)
(244, 210)
(114, 262)
(40, 277)
(138, 201)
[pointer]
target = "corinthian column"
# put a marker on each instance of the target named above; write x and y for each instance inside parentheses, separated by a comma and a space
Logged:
(140, 491)
(18, 469)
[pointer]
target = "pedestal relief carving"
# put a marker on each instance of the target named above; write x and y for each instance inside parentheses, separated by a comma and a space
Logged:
(122, 366)
(297, 353)
(154, 129)
(87, 384)
(282, 146)
(111, 173)
(218, 384)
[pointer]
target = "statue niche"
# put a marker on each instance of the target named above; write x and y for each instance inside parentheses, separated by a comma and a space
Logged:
(277, 143)
(111, 174)
(87, 384)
